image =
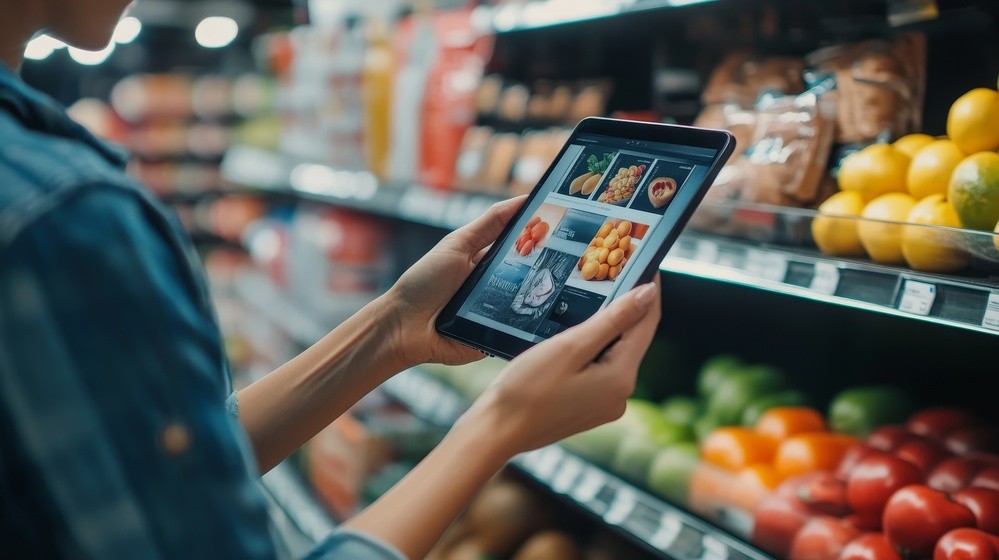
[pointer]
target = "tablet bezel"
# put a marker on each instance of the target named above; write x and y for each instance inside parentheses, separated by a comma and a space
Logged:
(496, 343)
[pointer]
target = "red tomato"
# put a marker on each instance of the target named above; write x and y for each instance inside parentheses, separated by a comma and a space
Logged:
(922, 452)
(984, 503)
(917, 516)
(865, 523)
(955, 473)
(938, 422)
(854, 455)
(869, 546)
(824, 493)
(776, 521)
(887, 438)
(822, 538)
(874, 481)
(967, 544)
(987, 478)
(972, 439)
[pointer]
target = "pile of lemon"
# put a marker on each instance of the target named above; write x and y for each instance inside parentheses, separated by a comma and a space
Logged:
(951, 181)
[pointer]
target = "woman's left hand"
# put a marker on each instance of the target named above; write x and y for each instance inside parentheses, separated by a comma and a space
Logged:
(420, 294)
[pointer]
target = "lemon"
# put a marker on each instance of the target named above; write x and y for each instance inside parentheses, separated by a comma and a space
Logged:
(911, 143)
(929, 248)
(839, 236)
(995, 238)
(883, 241)
(974, 191)
(876, 170)
(929, 172)
(973, 121)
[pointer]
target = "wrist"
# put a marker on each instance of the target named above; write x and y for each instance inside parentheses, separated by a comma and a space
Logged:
(490, 428)
(402, 336)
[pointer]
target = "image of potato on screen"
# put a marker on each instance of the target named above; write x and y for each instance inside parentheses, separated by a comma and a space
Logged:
(587, 173)
(537, 230)
(610, 250)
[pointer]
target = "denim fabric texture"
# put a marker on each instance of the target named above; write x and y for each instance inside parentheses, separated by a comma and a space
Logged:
(118, 434)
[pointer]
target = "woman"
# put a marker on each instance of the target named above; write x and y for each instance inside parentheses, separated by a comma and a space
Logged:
(119, 434)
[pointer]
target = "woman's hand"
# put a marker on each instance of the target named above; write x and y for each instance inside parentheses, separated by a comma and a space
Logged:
(420, 294)
(557, 388)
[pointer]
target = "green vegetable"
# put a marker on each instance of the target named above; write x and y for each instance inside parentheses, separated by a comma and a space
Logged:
(633, 458)
(681, 410)
(714, 372)
(594, 165)
(730, 399)
(761, 404)
(860, 410)
(669, 473)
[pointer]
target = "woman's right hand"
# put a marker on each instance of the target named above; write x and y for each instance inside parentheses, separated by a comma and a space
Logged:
(558, 388)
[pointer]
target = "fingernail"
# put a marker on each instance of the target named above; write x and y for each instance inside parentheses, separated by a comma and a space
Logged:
(645, 295)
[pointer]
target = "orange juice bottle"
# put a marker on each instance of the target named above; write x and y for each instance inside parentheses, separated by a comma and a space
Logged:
(377, 83)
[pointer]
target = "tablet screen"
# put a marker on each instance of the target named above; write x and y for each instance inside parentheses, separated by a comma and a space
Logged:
(586, 237)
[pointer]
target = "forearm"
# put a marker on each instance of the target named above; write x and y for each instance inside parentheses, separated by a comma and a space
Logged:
(287, 407)
(415, 513)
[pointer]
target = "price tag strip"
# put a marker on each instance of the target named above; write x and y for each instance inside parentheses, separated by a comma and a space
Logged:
(917, 298)
(826, 278)
(991, 318)
(767, 265)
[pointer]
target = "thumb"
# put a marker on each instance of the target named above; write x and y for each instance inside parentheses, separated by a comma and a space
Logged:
(582, 343)
(477, 235)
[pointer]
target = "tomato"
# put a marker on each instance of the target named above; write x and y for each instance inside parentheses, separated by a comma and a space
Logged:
(967, 544)
(824, 493)
(917, 516)
(922, 452)
(857, 453)
(811, 452)
(869, 546)
(972, 439)
(775, 523)
(987, 478)
(955, 473)
(782, 422)
(822, 538)
(938, 422)
(887, 438)
(984, 503)
(864, 523)
(734, 448)
(875, 479)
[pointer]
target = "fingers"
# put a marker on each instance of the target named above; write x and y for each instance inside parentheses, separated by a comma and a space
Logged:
(486, 228)
(582, 343)
(635, 341)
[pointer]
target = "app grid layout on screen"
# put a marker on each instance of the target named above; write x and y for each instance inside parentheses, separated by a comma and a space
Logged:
(573, 245)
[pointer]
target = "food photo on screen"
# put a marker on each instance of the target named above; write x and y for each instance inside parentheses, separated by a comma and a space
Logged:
(665, 179)
(626, 173)
(587, 173)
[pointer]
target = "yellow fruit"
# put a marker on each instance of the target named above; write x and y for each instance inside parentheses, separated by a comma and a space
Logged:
(995, 238)
(911, 143)
(930, 170)
(929, 248)
(876, 170)
(839, 236)
(974, 191)
(973, 121)
(883, 241)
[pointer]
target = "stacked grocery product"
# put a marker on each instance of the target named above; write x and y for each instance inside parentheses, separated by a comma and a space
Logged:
(934, 185)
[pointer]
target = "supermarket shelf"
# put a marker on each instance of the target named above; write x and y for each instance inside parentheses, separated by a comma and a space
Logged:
(259, 293)
(536, 15)
(642, 517)
(962, 302)
(967, 303)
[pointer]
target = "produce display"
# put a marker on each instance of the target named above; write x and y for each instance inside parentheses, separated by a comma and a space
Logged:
(913, 195)
(608, 252)
(622, 186)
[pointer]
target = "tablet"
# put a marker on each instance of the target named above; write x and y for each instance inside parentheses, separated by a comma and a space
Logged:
(599, 223)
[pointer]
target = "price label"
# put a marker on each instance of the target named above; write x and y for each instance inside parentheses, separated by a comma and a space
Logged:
(622, 506)
(669, 529)
(705, 251)
(714, 549)
(589, 485)
(917, 297)
(826, 278)
(767, 265)
(991, 319)
(548, 463)
(567, 475)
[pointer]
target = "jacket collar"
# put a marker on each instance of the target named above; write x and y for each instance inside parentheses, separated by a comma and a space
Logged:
(39, 112)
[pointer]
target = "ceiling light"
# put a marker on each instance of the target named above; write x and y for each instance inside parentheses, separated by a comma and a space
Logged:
(215, 32)
(127, 30)
(91, 58)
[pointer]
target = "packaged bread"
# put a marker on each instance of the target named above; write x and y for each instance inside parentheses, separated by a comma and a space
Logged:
(790, 149)
(487, 95)
(742, 76)
(513, 103)
(500, 156)
(471, 158)
(532, 161)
